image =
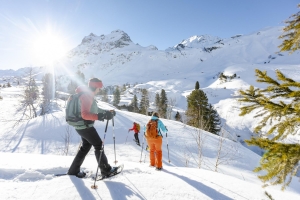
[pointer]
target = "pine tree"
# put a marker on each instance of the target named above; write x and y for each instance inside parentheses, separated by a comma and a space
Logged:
(197, 110)
(103, 93)
(157, 101)
(144, 104)
(8, 84)
(134, 104)
(117, 97)
(163, 104)
(214, 120)
(291, 34)
(197, 86)
(280, 161)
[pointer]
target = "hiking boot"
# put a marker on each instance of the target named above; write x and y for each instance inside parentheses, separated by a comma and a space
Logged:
(158, 168)
(81, 175)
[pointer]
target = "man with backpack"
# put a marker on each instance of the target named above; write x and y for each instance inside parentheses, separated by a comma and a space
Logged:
(153, 134)
(136, 129)
(83, 122)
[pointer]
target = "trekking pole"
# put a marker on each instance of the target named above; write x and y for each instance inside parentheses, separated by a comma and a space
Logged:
(145, 158)
(127, 136)
(101, 150)
(168, 145)
(114, 140)
(142, 145)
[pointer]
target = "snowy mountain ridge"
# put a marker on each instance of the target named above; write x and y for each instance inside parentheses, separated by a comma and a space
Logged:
(25, 174)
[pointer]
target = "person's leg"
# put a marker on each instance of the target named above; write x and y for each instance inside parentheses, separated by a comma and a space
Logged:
(91, 135)
(79, 158)
(158, 157)
(151, 150)
(136, 136)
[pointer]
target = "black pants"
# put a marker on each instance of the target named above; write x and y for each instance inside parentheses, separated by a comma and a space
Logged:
(136, 136)
(89, 138)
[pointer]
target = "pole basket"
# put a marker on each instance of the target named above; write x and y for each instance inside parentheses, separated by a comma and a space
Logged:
(95, 187)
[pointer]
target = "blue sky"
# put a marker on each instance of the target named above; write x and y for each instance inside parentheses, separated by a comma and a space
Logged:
(162, 23)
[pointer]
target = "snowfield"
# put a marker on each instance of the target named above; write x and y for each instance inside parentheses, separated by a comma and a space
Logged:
(32, 151)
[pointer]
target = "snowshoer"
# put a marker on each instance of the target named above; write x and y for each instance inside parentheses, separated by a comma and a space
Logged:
(153, 134)
(136, 130)
(90, 112)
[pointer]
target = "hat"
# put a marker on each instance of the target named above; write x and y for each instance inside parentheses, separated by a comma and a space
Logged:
(95, 83)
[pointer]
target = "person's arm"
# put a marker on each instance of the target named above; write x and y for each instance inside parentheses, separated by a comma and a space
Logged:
(133, 128)
(161, 126)
(86, 104)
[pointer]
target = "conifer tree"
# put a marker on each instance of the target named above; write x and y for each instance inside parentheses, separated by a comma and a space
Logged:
(157, 101)
(144, 104)
(163, 104)
(281, 160)
(8, 84)
(103, 93)
(134, 104)
(197, 109)
(291, 34)
(117, 97)
(214, 120)
(197, 86)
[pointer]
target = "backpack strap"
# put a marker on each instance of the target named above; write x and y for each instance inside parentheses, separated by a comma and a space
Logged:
(76, 111)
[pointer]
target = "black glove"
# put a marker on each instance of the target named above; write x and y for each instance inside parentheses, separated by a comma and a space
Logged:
(101, 117)
(113, 112)
(108, 115)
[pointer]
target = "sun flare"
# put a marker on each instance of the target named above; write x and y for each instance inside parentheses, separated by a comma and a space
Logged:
(47, 48)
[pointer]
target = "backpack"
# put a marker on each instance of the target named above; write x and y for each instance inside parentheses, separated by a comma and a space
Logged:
(151, 129)
(73, 112)
(138, 127)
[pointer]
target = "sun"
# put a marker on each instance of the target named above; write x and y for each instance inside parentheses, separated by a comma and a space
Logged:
(47, 48)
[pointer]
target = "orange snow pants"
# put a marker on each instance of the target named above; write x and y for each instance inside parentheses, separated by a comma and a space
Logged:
(155, 151)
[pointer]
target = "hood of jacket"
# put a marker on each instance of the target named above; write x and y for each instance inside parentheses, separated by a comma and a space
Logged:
(154, 118)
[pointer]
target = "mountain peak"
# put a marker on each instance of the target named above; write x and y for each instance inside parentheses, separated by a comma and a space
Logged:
(198, 41)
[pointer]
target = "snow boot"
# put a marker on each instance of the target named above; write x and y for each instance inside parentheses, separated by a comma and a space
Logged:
(81, 175)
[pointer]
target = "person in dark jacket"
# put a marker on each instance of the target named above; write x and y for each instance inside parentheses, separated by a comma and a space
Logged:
(136, 133)
(89, 136)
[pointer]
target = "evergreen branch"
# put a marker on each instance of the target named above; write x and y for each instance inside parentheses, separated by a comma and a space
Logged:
(280, 161)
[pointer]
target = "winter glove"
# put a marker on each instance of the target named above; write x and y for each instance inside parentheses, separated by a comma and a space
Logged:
(113, 112)
(108, 115)
(101, 117)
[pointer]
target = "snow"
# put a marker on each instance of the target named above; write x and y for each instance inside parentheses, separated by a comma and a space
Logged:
(31, 151)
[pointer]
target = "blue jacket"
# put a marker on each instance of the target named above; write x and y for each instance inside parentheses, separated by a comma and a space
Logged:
(161, 127)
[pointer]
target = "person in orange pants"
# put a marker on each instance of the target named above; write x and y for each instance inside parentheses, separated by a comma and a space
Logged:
(154, 140)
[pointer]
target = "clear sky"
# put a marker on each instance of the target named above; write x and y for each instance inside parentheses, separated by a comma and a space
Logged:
(34, 32)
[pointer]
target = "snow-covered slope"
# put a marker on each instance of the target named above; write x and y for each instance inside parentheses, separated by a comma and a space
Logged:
(32, 151)
(116, 60)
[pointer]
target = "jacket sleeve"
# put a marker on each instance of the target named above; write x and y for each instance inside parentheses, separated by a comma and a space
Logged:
(133, 128)
(86, 104)
(161, 127)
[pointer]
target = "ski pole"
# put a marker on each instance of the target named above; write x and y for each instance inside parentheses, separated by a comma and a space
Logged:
(127, 136)
(145, 158)
(168, 145)
(101, 150)
(143, 144)
(114, 140)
